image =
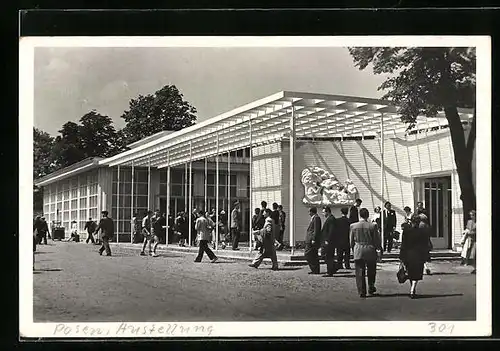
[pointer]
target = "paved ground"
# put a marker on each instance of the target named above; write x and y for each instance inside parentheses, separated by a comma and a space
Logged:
(72, 283)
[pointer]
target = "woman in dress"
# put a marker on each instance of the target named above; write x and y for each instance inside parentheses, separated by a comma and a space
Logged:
(469, 241)
(414, 252)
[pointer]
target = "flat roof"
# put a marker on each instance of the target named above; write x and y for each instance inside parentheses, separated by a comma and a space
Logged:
(76, 168)
(268, 120)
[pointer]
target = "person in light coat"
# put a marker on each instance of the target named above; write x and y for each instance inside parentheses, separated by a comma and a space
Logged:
(366, 245)
(266, 236)
(204, 227)
(469, 242)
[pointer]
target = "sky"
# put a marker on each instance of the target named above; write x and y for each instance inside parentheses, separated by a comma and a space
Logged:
(69, 82)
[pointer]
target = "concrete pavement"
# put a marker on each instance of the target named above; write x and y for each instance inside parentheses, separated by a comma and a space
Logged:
(72, 283)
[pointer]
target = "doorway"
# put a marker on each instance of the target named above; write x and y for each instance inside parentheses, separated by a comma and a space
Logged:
(435, 193)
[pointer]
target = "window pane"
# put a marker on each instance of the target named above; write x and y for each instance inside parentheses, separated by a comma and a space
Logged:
(83, 202)
(141, 176)
(83, 214)
(74, 215)
(83, 191)
(142, 201)
(66, 205)
(210, 179)
(125, 201)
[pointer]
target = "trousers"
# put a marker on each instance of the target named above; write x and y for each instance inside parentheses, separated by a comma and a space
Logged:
(267, 251)
(311, 254)
(202, 249)
(344, 256)
(365, 268)
(235, 234)
(105, 246)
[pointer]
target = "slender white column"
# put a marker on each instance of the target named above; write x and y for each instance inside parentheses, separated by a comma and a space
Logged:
(250, 200)
(185, 187)
(149, 184)
(118, 206)
(168, 196)
(292, 180)
(190, 190)
(206, 181)
(382, 174)
(132, 206)
(228, 187)
(217, 195)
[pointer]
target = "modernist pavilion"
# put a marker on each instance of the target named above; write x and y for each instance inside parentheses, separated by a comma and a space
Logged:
(245, 155)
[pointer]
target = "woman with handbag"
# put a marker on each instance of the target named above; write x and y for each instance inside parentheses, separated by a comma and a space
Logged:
(414, 252)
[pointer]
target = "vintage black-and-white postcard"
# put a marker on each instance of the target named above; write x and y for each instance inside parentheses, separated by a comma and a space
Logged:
(213, 186)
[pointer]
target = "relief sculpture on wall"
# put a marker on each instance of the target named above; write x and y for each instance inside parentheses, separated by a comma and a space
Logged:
(322, 188)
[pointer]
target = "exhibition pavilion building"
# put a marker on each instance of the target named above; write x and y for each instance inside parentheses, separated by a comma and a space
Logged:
(296, 149)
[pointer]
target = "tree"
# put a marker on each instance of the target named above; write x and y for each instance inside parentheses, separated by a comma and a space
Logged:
(164, 110)
(43, 163)
(425, 81)
(94, 137)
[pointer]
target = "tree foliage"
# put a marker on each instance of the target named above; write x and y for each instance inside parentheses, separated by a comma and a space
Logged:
(95, 136)
(425, 80)
(164, 110)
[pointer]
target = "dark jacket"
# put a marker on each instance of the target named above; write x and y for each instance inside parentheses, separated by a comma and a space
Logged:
(353, 215)
(261, 219)
(90, 226)
(275, 215)
(342, 228)
(389, 219)
(107, 227)
(329, 232)
(414, 245)
(314, 231)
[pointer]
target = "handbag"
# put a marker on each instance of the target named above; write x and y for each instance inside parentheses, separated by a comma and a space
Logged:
(402, 274)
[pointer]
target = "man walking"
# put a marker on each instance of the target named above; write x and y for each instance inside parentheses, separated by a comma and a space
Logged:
(328, 233)
(236, 225)
(313, 237)
(106, 227)
(365, 242)
(146, 232)
(282, 223)
(156, 229)
(343, 247)
(90, 226)
(203, 228)
(354, 212)
(389, 226)
(267, 238)
(43, 230)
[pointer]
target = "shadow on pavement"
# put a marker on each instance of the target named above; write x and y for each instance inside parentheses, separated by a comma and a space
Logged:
(36, 271)
(344, 275)
(419, 296)
(41, 252)
(443, 273)
(289, 268)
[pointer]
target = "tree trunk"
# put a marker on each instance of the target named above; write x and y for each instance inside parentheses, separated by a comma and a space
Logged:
(463, 160)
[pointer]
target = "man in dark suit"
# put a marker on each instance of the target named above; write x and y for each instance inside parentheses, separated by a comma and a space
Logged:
(328, 233)
(106, 227)
(389, 226)
(354, 212)
(313, 238)
(343, 247)
(365, 242)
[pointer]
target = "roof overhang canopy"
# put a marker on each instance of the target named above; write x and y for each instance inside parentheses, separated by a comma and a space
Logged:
(315, 115)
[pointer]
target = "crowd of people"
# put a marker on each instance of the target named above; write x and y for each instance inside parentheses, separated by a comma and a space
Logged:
(352, 232)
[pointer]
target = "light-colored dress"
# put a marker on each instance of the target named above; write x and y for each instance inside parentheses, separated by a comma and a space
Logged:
(469, 241)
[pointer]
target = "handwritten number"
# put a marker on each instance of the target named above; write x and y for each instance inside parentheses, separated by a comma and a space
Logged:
(441, 328)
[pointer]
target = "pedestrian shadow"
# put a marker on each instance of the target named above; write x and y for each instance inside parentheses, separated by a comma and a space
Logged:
(345, 275)
(289, 268)
(443, 273)
(37, 271)
(41, 252)
(418, 296)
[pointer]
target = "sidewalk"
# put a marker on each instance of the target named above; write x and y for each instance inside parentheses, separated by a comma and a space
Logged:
(284, 257)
